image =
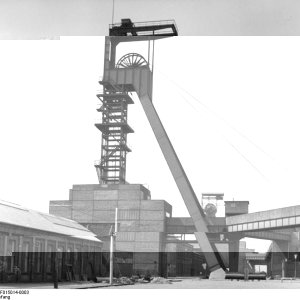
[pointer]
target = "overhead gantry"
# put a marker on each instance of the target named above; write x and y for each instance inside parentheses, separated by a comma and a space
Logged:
(134, 73)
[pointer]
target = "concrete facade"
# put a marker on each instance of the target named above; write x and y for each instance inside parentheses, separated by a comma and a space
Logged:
(149, 238)
(142, 224)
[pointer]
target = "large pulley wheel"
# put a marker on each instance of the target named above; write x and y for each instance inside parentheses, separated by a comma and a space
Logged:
(131, 60)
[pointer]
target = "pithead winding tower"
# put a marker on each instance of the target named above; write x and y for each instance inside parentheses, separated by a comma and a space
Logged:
(133, 73)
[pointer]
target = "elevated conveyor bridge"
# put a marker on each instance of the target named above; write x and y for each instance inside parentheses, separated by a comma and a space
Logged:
(275, 224)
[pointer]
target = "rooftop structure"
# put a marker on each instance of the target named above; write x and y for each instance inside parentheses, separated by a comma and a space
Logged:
(16, 215)
(151, 28)
(31, 241)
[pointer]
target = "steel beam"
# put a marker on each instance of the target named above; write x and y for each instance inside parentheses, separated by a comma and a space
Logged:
(140, 80)
(182, 182)
(267, 235)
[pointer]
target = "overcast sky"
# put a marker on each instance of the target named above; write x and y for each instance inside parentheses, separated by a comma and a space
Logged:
(232, 116)
(35, 19)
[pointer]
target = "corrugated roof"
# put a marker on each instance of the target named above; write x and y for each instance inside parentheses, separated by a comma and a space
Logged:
(14, 214)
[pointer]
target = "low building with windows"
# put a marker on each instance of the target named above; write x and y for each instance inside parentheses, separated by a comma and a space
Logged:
(31, 242)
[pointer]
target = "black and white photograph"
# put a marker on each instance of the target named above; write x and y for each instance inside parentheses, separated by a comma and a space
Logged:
(149, 145)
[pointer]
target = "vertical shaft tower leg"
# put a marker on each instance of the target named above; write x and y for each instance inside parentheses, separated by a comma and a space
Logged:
(111, 169)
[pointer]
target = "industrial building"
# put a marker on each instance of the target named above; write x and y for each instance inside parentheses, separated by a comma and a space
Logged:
(142, 227)
(30, 241)
(147, 233)
(147, 238)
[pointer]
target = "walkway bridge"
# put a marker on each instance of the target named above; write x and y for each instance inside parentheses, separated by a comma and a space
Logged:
(276, 224)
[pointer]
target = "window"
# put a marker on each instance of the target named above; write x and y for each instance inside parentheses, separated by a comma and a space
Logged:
(285, 222)
(273, 223)
(244, 226)
(60, 251)
(298, 220)
(261, 224)
(2, 245)
(230, 228)
(75, 255)
(234, 228)
(292, 221)
(25, 257)
(240, 227)
(279, 222)
(250, 226)
(50, 250)
(267, 224)
(69, 254)
(11, 253)
(255, 225)
(37, 256)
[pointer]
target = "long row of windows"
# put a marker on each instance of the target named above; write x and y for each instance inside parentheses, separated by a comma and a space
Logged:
(26, 255)
(265, 224)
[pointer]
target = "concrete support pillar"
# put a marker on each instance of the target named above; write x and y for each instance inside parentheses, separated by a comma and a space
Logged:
(283, 268)
(283, 246)
(233, 248)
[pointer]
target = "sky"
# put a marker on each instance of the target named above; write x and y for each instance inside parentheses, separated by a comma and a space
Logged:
(232, 116)
(42, 19)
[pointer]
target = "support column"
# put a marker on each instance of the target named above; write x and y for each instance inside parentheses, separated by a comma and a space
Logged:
(188, 195)
(283, 268)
